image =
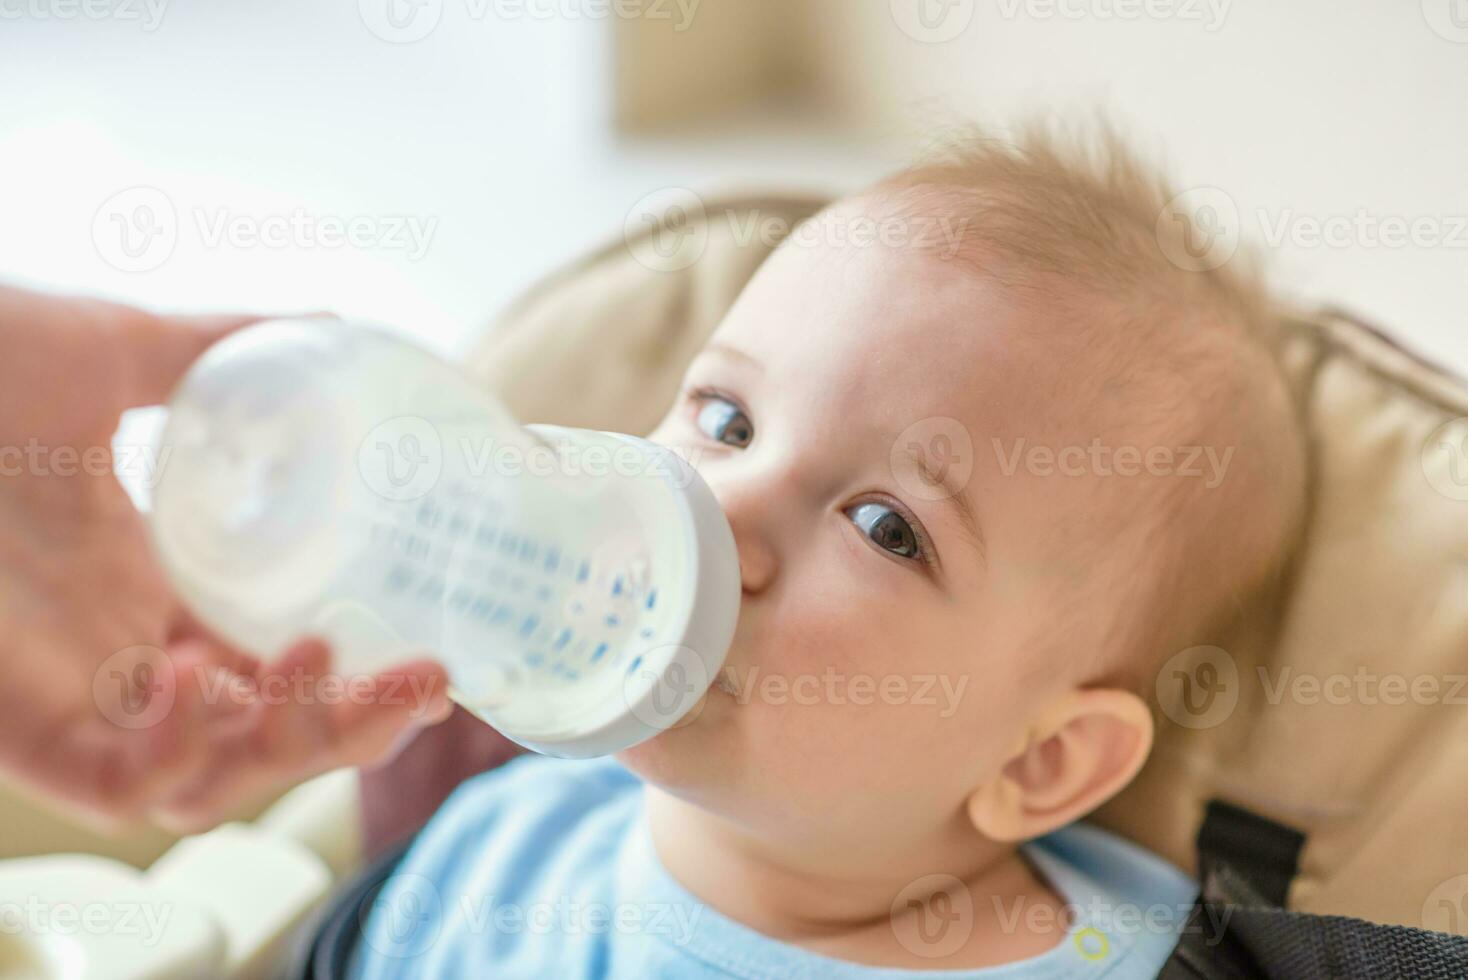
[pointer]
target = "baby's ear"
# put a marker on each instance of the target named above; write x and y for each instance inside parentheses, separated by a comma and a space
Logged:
(1079, 753)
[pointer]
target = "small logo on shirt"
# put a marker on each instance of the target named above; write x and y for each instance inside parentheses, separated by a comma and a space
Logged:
(1092, 943)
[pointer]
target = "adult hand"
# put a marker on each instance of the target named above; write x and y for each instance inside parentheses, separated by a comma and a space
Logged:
(111, 697)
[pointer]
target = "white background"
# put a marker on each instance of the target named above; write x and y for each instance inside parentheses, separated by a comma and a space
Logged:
(496, 132)
(496, 129)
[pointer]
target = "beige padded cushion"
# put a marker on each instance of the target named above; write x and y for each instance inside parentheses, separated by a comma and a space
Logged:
(1380, 789)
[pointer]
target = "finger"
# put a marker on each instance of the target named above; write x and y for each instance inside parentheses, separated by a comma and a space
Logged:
(112, 763)
(379, 715)
(289, 738)
(296, 723)
(398, 703)
(155, 350)
(165, 345)
(187, 632)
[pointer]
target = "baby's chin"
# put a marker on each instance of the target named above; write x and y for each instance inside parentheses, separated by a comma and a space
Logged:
(694, 755)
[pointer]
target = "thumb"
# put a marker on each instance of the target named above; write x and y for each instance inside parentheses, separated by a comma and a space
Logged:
(158, 349)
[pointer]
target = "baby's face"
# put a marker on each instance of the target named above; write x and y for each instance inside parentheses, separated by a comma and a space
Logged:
(896, 633)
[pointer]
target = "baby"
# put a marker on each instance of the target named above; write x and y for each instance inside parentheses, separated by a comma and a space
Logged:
(958, 589)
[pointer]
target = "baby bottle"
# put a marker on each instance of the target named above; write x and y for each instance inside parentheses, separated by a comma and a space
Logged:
(581, 588)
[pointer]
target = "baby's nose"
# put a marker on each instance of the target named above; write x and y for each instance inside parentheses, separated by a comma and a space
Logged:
(753, 535)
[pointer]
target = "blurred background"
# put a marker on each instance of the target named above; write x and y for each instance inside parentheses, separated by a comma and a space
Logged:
(418, 162)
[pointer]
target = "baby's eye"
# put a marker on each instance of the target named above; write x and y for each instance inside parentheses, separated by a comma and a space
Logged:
(887, 529)
(723, 421)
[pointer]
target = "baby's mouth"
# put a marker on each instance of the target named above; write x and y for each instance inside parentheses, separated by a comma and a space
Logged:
(727, 681)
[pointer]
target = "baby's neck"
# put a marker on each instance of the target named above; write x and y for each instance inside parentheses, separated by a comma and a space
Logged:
(846, 909)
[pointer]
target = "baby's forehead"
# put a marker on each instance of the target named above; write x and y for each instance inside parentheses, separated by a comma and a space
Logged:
(880, 337)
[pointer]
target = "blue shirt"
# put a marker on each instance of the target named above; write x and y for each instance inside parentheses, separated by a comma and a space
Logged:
(544, 868)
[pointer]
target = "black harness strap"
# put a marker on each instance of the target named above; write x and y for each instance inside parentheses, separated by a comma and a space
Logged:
(1239, 930)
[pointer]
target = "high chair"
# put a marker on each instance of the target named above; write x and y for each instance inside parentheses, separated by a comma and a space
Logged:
(1315, 757)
